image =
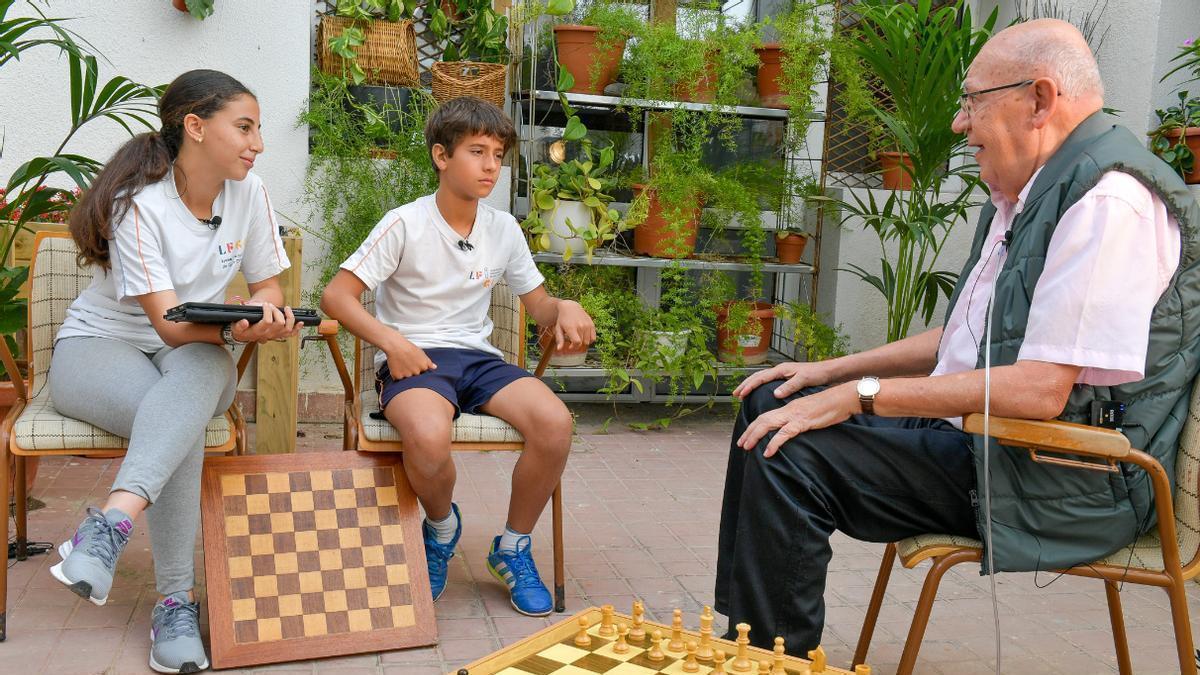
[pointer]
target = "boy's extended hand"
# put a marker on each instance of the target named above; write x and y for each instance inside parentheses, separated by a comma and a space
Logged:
(574, 326)
(406, 359)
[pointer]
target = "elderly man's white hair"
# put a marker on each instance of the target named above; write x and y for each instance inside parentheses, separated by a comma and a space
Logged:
(1052, 48)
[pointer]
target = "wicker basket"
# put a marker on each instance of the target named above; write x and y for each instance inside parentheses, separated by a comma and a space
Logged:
(388, 56)
(468, 78)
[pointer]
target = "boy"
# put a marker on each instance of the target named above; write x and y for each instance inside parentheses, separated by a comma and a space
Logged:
(433, 263)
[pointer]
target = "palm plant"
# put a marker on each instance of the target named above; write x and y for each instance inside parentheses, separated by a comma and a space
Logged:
(29, 196)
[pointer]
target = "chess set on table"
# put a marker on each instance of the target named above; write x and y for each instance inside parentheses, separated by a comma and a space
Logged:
(597, 641)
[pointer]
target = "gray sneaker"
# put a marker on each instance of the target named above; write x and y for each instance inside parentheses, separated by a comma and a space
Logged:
(175, 645)
(90, 557)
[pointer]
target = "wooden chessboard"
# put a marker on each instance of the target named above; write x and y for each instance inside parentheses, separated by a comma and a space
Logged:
(553, 651)
(312, 555)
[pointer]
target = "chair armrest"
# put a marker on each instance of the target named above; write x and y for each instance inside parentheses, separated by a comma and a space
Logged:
(328, 331)
(328, 327)
(546, 342)
(1055, 436)
(14, 373)
(244, 359)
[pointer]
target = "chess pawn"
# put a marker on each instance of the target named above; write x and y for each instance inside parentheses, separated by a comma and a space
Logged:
(690, 665)
(656, 652)
(764, 668)
(862, 669)
(582, 639)
(607, 629)
(741, 664)
(622, 646)
(777, 666)
(719, 662)
(676, 643)
(637, 632)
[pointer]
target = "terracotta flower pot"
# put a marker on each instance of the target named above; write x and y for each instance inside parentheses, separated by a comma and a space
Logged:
(179, 5)
(450, 9)
(577, 51)
(769, 70)
(790, 248)
(754, 347)
(703, 90)
(895, 178)
(1191, 136)
(654, 238)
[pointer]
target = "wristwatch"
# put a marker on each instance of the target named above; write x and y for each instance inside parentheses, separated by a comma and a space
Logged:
(867, 388)
(227, 335)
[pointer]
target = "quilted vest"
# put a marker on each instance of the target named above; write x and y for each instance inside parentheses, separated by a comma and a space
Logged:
(1048, 517)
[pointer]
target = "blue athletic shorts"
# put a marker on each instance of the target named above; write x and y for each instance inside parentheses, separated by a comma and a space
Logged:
(467, 378)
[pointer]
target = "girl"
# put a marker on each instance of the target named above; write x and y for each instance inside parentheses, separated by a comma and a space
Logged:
(172, 218)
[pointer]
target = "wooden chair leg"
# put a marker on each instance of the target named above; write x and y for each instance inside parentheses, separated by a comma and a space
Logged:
(1117, 618)
(560, 601)
(1183, 625)
(4, 455)
(21, 509)
(868, 627)
(916, 632)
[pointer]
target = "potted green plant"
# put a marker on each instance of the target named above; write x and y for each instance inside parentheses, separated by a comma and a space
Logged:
(369, 41)
(665, 212)
(813, 338)
(569, 204)
(590, 44)
(200, 9)
(1176, 139)
(347, 189)
(475, 59)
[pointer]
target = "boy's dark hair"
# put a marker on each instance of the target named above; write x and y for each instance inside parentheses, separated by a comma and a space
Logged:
(467, 116)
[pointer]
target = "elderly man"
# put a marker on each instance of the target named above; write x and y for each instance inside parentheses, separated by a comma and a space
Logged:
(1090, 245)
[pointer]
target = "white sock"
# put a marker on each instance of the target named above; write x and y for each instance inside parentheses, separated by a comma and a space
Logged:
(508, 540)
(445, 528)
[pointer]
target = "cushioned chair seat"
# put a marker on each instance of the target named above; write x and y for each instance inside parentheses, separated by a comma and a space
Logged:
(41, 427)
(467, 428)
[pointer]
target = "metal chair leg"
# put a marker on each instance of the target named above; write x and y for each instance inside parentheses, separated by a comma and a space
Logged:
(1183, 624)
(868, 627)
(1117, 618)
(916, 632)
(560, 593)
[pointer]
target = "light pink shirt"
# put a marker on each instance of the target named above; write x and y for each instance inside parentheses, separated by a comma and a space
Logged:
(1109, 260)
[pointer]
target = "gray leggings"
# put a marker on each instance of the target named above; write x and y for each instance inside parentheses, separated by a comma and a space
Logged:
(162, 403)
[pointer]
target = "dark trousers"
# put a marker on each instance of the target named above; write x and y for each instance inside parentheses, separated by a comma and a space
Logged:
(877, 479)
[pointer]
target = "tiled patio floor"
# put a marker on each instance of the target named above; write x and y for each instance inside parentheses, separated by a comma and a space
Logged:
(642, 511)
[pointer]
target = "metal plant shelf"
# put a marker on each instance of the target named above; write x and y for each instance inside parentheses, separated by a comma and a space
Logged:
(603, 257)
(601, 101)
(558, 379)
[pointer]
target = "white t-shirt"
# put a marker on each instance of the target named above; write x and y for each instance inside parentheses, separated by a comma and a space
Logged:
(159, 245)
(431, 290)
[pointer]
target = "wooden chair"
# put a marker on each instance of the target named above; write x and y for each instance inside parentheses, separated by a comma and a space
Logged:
(1154, 559)
(33, 427)
(470, 432)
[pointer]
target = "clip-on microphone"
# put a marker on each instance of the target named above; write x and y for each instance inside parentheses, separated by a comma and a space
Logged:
(464, 245)
(212, 223)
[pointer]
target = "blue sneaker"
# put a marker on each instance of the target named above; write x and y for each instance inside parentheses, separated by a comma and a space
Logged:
(516, 569)
(438, 555)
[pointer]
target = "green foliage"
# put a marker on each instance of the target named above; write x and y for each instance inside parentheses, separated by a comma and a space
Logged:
(200, 9)
(809, 331)
(911, 228)
(1188, 60)
(1176, 118)
(584, 179)
(478, 34)
(617, 23)
(346, 44)
(920, 56)
(347, 183)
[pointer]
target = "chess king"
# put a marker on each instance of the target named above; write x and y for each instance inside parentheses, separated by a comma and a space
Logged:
(431, 264)
(156, 226)
(1089, 242)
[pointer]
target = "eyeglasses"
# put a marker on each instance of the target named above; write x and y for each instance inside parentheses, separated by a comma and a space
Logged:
(966, 101)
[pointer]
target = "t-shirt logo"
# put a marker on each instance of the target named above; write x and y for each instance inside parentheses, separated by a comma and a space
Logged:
(229, 254)
(487, 277)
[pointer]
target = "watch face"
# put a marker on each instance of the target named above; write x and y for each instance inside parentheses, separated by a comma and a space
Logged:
(868, 386)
